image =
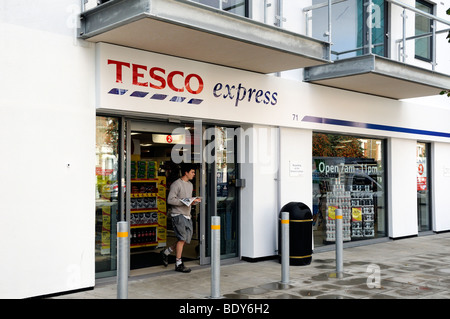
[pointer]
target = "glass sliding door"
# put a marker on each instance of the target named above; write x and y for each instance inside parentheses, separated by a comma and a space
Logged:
(156, 152)
(107, 194)
(423, 187)
(222, 195)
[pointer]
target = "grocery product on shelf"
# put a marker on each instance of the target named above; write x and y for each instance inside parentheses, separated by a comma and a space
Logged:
(358, 215)
(363, 214)
(148, 214)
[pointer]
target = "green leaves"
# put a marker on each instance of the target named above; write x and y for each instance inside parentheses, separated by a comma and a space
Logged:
(445, 92)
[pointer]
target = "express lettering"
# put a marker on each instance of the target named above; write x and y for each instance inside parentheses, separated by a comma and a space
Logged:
(239, 93)
(156, 78)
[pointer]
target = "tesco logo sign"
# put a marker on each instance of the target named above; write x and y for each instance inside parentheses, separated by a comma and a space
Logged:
(158, 78)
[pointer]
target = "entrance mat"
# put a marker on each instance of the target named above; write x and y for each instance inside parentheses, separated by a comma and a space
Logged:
(150, 259)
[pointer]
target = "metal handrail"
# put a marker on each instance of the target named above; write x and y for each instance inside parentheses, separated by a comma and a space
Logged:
(338, 53)
(424, 35)
(425, 14)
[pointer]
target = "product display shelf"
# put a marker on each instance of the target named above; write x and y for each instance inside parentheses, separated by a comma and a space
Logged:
(148, 213)
(363, 213)
(358, 214)
(338, 198)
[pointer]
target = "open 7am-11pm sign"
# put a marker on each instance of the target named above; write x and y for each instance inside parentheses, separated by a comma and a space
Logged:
(141, 81)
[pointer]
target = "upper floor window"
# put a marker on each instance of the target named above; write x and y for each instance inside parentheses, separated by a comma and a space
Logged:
(239, 7)
(423, 25)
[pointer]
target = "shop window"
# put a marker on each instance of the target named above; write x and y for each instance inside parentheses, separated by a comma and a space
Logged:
(348, 173)
(106, 194)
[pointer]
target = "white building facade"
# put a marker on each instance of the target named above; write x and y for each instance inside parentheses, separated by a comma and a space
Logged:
(271, 101)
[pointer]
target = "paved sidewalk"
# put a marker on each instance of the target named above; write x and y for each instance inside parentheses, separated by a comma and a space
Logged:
(411, 268)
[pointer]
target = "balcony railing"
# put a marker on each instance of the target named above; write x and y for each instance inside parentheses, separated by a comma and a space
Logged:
(394, 45)
(339, 43)
(324, 30)
(402, 43)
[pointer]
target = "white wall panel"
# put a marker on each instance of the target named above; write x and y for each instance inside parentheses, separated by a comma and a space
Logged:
(296, 150)
(47, 165)
(402, 190)
(441, 186)
(259, 197)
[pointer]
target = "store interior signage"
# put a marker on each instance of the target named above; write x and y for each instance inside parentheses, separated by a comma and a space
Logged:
(168, 139)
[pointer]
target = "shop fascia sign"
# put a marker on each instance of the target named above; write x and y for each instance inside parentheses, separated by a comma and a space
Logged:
(156, 82)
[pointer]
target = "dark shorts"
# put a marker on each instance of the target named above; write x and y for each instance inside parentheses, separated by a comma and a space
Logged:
(183, 228)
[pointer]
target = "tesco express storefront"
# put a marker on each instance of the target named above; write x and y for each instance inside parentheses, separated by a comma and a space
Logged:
(258, 142)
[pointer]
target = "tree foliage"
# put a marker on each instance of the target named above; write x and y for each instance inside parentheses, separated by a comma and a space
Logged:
(330, 145)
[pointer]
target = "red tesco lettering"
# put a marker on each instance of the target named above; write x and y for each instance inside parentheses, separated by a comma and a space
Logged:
(155, 77)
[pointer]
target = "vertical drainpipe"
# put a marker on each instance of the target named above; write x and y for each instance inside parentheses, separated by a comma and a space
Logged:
(278, 179)
(279, 169)
(279, 17)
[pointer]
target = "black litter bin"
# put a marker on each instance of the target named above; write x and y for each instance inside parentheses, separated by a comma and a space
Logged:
(300, 233)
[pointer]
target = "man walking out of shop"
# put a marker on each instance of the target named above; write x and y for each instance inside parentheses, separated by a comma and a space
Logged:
(181, 215)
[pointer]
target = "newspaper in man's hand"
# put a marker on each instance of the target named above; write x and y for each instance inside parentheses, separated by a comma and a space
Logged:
(188, 201)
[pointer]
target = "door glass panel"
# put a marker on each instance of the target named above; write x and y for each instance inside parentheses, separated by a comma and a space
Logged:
(221, 183)
(106, 194)
(423, 189)
(226, 191)
(157, 149)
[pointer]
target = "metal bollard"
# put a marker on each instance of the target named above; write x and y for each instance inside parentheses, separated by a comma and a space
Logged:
(339, 244)
(215, 257)
(123, 242)
(284, 247)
